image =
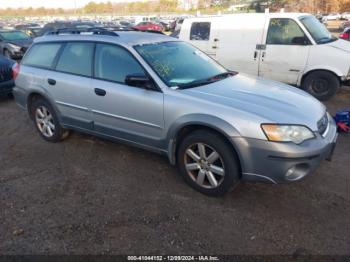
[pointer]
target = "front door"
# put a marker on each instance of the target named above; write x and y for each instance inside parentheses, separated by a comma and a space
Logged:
(286, 52)
(122, 111)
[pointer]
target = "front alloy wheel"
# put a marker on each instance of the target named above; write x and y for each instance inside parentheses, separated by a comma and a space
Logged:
(208, 162)
(204, 165)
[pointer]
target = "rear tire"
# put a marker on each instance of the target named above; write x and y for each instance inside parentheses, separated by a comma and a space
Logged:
(208, 163)
(321, 84)
(46, 121)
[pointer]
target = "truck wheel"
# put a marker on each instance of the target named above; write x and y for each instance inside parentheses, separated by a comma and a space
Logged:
(207, 163)
(321, 84)
(46, 121)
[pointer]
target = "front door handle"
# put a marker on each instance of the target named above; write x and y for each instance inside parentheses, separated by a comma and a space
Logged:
(100, 92)
(255, 55)
(51, 82)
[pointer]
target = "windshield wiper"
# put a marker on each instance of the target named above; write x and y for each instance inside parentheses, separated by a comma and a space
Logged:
(207, 81)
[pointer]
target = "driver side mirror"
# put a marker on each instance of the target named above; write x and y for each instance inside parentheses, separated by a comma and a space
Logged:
(139, 80)
(300, 40)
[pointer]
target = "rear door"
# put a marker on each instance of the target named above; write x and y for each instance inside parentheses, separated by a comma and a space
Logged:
(119, 110)
(239, 45)
(204, 35)
(286, 51)
(70, 83)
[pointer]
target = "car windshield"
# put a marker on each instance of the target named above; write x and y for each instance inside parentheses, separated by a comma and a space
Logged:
(14, 35)
(317, 30)
(180, 64)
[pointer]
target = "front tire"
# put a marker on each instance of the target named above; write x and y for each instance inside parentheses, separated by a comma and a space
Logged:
(46, 121)
(208, 163)
(321, 84)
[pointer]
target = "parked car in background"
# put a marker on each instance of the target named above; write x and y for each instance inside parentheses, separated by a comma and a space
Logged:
(14, 43)
(6, 79)
(345, 34)
(78, 25)
(148, 26)
(33, 31)
(345, 16)
(344, 25)
(164, 95)
(25, 26)
(293, 48)
(333, 16)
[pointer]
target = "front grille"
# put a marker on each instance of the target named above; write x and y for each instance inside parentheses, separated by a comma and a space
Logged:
(322, 124)
(5, 73)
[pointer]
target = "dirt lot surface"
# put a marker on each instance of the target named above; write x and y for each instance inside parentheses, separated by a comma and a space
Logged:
(90, 196)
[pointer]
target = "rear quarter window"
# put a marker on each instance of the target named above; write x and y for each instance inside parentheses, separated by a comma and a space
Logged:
(42, 55)
(200, 31)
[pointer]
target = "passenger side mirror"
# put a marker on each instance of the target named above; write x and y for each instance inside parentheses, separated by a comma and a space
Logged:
(139, 80)
(300, 40)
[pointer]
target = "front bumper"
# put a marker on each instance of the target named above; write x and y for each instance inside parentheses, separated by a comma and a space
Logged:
(6, 87)
(267, 161)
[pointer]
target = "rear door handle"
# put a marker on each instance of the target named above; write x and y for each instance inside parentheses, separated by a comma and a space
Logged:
(100, 92)
(51, 82)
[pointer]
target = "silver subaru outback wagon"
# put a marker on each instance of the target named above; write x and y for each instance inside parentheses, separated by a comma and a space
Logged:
(164, 95)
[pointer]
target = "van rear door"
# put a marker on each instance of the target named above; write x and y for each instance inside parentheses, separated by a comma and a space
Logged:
(203, 34)
(239, 42)
(286, 52)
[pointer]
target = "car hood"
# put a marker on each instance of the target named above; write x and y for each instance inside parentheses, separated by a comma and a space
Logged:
(22, 43)
(271, 101)
(341, 44)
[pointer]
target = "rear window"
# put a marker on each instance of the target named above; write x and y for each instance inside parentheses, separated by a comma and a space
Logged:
(200, 31)
(76, 59)
(42, 55)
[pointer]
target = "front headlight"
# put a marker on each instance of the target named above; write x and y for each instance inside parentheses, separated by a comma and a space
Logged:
(287, 133)
(15, 47)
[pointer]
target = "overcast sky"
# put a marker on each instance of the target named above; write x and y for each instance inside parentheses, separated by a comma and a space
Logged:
(48, 3)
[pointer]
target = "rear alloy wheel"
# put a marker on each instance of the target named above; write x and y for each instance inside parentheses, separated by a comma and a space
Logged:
(321, 84)
(46, 121)
(208, 163)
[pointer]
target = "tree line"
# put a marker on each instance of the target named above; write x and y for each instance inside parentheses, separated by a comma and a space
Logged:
(167, 6)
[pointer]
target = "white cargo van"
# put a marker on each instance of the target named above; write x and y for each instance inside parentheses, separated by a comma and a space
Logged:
(293, 48)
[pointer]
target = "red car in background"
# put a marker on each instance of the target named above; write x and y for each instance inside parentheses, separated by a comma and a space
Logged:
(146, 26)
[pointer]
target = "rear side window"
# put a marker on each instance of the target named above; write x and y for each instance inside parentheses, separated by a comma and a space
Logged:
(76, 59)
(114, 63)
(284, 31)
(42, 55)
(200, 31)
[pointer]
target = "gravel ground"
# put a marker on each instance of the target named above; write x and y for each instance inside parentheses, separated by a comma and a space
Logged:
(90, 196)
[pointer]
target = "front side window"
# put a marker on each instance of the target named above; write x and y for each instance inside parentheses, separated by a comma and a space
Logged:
(180, 64)
(42, 55)
(114, 63)
(200, 31)
(285, 31)
(76, 58)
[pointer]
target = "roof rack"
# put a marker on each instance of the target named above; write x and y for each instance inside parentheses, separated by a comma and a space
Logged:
(74, 31)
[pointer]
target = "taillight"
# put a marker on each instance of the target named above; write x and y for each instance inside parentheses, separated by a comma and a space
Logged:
(15, 71)
(345, 36)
